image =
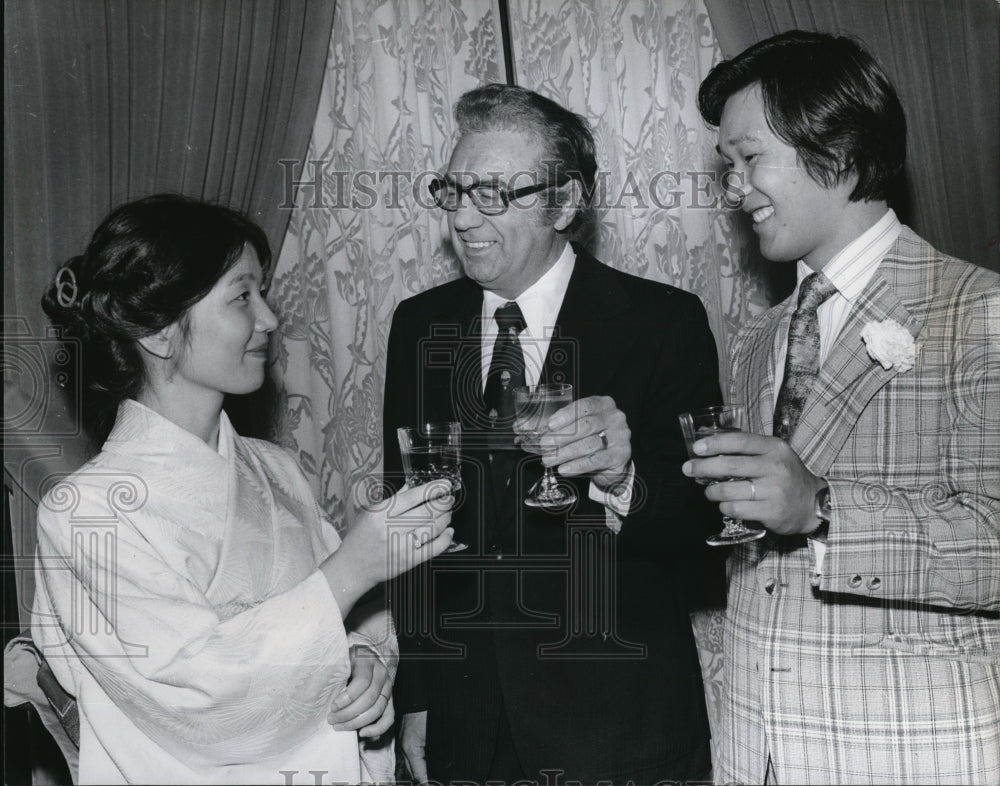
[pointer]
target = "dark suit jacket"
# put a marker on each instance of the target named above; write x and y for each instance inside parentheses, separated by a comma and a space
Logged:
(581, 636)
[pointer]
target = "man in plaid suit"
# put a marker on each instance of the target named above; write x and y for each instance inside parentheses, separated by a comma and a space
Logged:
(862, 640)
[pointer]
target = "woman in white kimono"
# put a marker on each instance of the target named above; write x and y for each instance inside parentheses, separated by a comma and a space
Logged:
(190, 593)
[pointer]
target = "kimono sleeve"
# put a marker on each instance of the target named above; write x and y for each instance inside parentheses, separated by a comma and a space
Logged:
(207, 689)
(369, 624)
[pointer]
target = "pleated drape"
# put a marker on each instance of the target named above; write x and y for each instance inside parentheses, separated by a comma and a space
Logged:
(107, 101)
(944, 59)
(110, 101)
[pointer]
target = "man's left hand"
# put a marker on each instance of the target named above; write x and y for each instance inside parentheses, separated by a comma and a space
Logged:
(575, 433)
(778, 490)
(365, 703)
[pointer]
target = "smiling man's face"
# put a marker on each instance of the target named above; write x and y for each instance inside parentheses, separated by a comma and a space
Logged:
(507, 253)
(794, 216)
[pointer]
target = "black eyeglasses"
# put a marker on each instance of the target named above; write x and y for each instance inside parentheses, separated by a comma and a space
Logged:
(489, 198)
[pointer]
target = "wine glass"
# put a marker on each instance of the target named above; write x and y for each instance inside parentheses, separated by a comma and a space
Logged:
(533, 406)
(432, 451)
(701, 423)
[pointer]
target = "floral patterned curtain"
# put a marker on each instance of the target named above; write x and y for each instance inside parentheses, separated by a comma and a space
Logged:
(633, 68)
(368, 237)
(359, 245)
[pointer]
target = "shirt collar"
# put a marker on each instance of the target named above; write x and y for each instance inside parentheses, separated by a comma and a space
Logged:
(853, 266)
(540, 303)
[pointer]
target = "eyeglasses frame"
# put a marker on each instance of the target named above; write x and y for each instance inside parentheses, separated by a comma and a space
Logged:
(506, 197)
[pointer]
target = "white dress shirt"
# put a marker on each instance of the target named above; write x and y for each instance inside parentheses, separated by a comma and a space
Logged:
(540, 304)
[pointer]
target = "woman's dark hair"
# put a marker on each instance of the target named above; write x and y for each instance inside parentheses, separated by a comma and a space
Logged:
(146, 265)
(570, 153)
(829, 99)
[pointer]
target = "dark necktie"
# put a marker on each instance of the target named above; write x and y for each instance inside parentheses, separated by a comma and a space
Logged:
(506, 373)
(802, 359)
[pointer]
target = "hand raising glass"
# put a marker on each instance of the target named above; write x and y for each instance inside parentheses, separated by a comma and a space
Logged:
(702, 423)
(533, 406)
(432, 451)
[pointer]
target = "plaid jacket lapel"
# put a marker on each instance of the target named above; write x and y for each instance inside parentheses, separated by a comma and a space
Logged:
(850, 378)
(753, 372)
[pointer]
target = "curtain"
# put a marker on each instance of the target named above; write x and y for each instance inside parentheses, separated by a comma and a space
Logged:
(944, 59)
(368, 236)
(114, 100)
(110, 101)
(633, 68)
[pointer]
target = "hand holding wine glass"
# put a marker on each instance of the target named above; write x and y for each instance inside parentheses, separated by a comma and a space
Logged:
(432, 451)
(701, 423)
(401, 532)
(533, 406)
(591, 438)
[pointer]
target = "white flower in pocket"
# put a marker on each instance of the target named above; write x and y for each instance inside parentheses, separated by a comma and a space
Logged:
(890, 344)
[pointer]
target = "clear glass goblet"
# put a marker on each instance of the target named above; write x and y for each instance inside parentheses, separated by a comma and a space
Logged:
(533, 406)
(701, 423)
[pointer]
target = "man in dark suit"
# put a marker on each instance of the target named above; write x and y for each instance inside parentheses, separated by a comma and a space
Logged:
(558, 644)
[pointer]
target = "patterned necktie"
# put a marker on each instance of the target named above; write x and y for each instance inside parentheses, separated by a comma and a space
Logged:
(802, 359)
(506, 373)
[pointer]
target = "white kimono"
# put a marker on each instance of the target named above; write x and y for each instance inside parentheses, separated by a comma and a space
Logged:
(178, 598)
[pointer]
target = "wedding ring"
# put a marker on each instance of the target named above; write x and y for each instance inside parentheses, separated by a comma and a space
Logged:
(604, 439)
(753, 491)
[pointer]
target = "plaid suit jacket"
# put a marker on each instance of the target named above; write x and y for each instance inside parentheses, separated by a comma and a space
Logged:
(889, 671)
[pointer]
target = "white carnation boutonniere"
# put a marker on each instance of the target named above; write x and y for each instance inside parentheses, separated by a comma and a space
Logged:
(890, 344)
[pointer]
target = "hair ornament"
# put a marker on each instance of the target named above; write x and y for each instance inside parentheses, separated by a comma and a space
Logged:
(66, 288)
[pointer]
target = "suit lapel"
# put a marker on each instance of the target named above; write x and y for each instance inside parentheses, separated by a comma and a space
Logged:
(585, 330)
(850, 378)
(757, 392)
(465, 369)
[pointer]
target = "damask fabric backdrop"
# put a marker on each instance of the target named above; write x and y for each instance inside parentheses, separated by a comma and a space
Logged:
(368, 238)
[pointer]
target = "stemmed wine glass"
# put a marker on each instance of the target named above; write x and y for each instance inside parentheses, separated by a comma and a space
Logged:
(701, 423)
(533, 406)
(432, 451)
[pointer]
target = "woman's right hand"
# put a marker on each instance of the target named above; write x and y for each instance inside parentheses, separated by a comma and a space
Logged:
(403, 531)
